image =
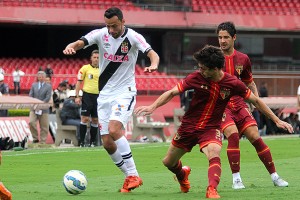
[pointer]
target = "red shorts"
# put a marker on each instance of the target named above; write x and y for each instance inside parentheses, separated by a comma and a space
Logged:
(242, 118)
(187, 141)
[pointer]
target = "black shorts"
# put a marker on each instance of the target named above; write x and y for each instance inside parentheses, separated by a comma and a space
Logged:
(89, 105)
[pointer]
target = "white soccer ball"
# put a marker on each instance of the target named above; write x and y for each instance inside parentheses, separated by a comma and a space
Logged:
(75, 182)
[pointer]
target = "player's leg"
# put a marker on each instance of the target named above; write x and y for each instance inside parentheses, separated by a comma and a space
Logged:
(94, 115)
(93, 132)
(85, 117)
(264, 154)
(212, 152)
(173, 163)
(104, 112)
(33, 126)
(121, 112)
(230, 130)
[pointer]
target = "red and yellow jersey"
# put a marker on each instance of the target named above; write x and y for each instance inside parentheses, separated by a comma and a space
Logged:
(238, 64)
(90, 77)
(209, 100)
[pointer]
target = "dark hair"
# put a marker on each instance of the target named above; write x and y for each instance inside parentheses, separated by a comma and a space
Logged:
(227, 26)
(210, 56)
(62, 84)
(113, 11)
(94, 51)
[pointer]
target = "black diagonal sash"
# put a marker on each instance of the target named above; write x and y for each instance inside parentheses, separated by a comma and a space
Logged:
(112, 67)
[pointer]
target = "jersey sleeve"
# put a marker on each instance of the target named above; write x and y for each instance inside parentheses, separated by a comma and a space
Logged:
(91, 38)
(246, 75)
(141, 42)
(242, 90)
(81, 73)
(186, 83)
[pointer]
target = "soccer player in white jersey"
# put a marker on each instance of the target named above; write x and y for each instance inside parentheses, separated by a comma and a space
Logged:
(118, 52)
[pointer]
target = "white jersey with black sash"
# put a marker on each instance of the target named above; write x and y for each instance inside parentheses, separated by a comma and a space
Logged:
(117, 59)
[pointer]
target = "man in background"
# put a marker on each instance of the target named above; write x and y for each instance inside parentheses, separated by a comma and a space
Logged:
(4, 90)
(88, 76)
(17, 74)
(42, 91)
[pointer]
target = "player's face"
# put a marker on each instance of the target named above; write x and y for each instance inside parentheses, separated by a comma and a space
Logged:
(115, 26)
(206, 72)
(95, 60)
(226, 42)
(41, 77)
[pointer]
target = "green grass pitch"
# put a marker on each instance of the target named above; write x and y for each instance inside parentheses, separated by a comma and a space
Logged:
(36, 174)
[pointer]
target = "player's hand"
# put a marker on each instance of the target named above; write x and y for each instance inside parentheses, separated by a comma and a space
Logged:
(286, 126)
(150, 68)
(69, 51)
(143, 110)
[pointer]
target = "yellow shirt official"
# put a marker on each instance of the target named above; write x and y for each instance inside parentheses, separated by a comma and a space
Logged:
(90, 77)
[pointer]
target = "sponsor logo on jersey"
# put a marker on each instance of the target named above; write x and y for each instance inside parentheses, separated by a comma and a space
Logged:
(204, 87)
(224, 93)
(116, 58)
(105, 38)
(106, 45)
(124, 47)
(239, 69)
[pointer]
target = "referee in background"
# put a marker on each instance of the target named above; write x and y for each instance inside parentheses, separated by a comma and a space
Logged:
(88, 77)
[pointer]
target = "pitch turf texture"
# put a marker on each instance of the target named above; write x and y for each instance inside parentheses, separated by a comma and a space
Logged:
(36, 174)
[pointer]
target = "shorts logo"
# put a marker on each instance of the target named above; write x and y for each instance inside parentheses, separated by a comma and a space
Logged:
(224, 117)
(224, 93)
(239, 69)
(119, 108)
(218, 135)
(176, 137)
(124, 47)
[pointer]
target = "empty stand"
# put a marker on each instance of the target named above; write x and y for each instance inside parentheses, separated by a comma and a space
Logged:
(67, 69)
(247, 7)
(80, 4)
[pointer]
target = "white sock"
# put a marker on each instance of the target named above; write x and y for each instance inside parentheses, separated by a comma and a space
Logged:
(236, 176)
(124, 148)
(274, 176)
(119, 162)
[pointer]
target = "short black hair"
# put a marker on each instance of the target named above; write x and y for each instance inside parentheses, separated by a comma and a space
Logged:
(95, 51)
(227, 26)
(113, 11)
(210, 56)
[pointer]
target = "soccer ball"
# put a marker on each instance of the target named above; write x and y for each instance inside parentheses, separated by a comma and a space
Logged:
(75, 182)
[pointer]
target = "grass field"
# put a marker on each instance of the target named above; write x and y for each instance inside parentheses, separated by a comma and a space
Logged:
(36, 174)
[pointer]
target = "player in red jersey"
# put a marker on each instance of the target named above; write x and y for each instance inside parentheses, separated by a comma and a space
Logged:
(238, 119)
(201, 123)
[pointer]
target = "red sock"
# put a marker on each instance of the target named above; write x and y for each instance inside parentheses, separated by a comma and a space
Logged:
(177, 170)
(264, 154)
(214, 172)
(233, 152)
